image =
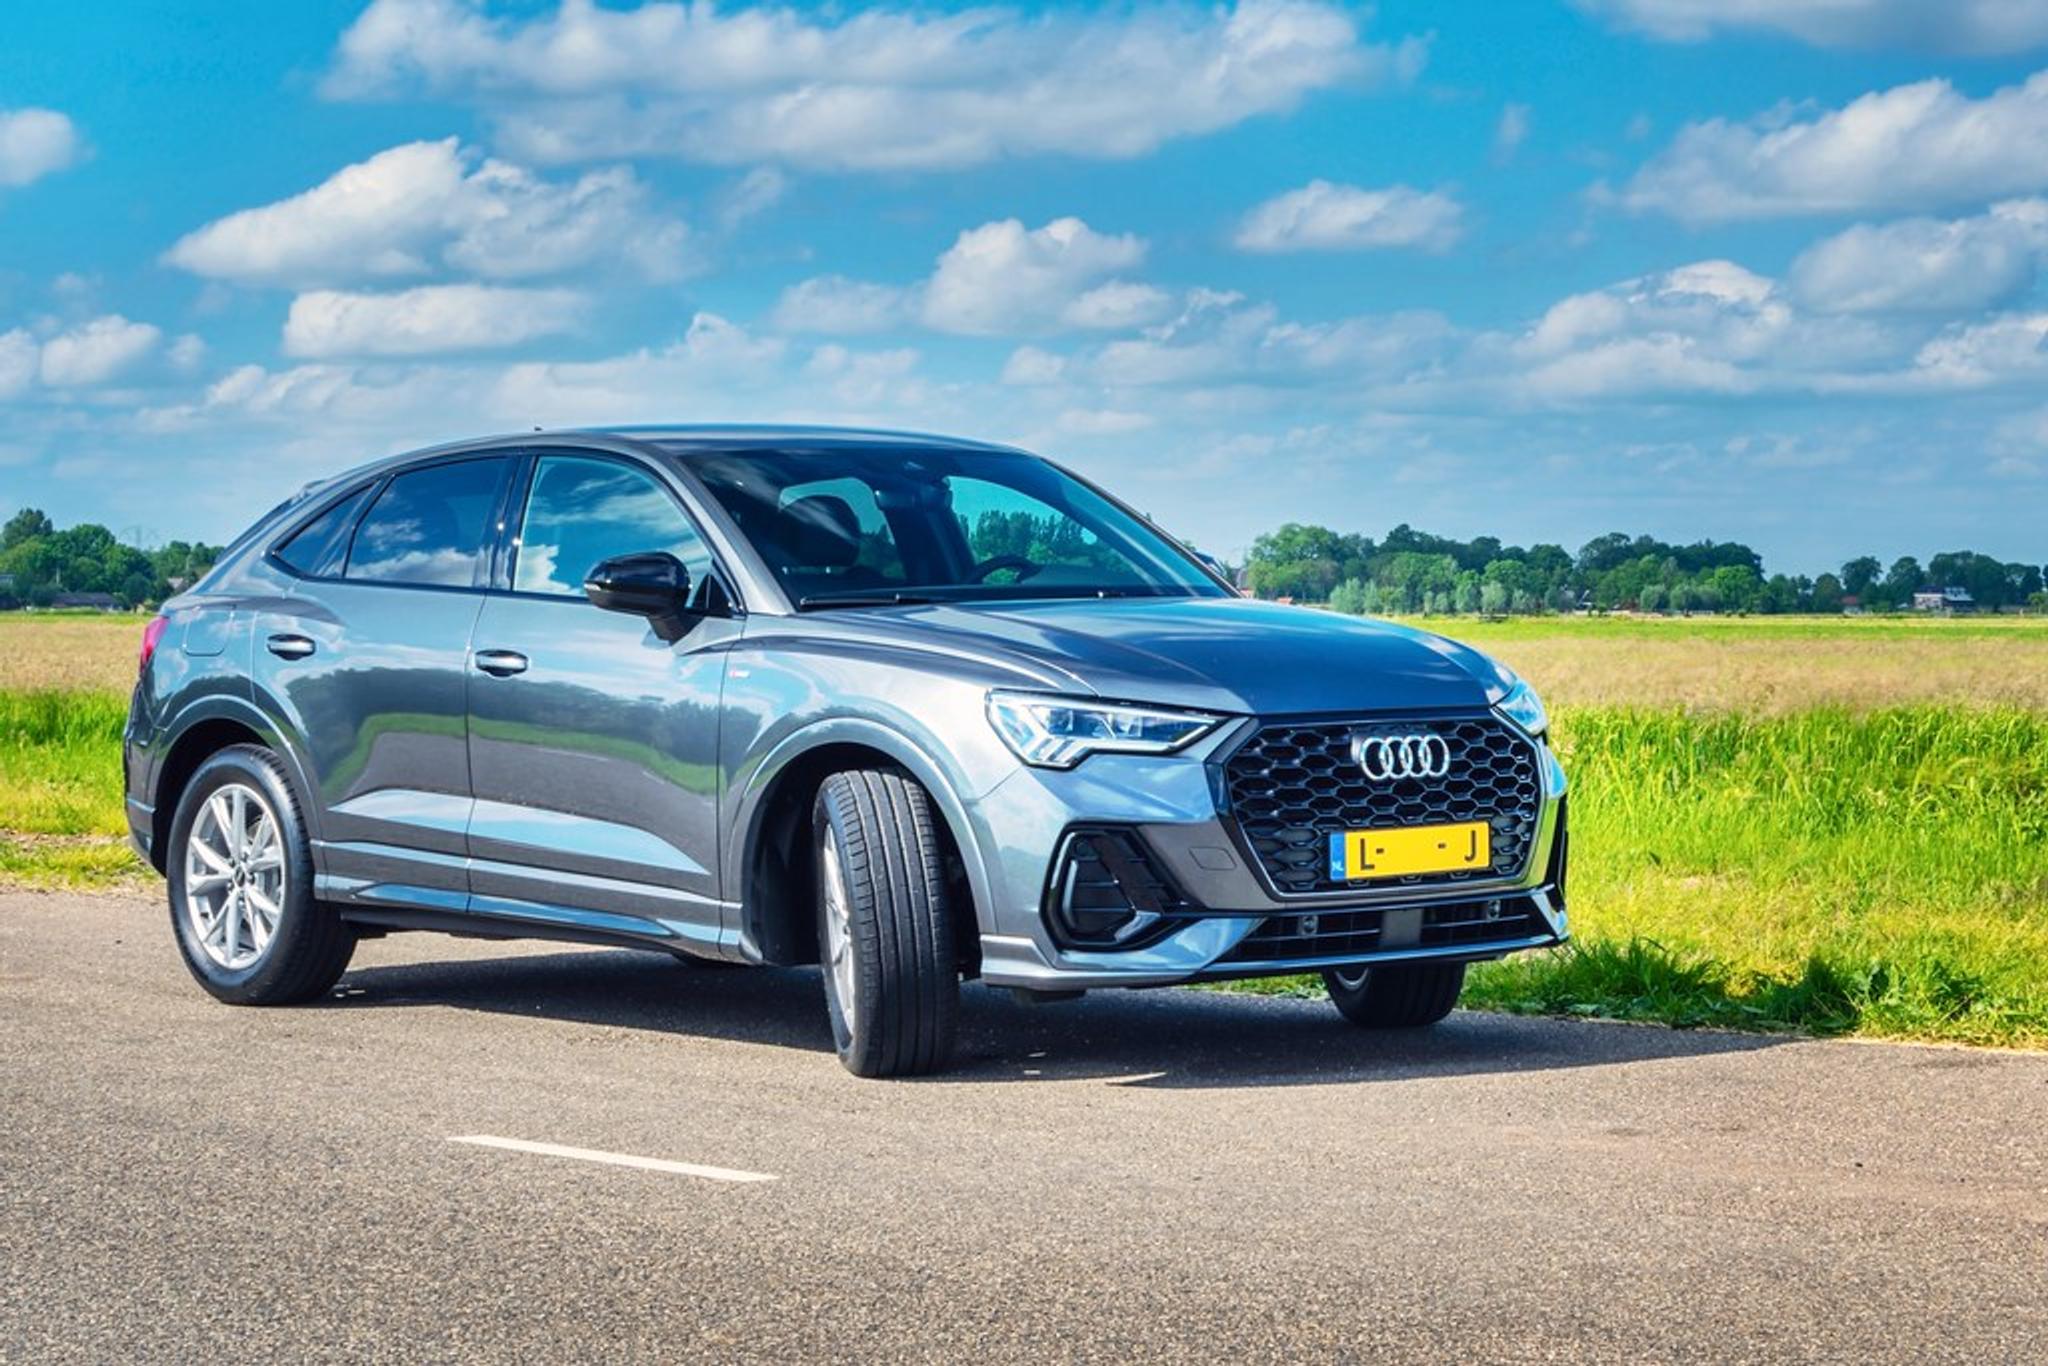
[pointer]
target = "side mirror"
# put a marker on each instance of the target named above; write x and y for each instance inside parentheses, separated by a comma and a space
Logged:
(652, 584)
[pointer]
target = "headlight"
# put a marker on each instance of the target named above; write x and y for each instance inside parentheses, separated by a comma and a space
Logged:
(1520, 704)
(1059, 732)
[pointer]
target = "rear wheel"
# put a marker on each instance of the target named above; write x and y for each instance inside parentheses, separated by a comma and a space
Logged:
(241, 886)
(1397, 996)
(885, 931)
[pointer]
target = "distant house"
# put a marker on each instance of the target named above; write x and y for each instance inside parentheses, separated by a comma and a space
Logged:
(1852, 605)
(1953, 602)
(90, 602)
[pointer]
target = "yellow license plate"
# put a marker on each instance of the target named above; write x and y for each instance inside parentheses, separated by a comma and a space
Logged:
(1412, 852)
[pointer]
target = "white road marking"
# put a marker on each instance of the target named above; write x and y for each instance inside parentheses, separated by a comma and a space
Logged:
(652, 1164)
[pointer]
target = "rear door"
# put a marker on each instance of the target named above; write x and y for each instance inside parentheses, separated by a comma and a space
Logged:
(368, 656)
(593, 743)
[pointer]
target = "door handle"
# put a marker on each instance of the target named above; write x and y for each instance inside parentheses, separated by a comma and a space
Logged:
(290, 646)
(501, 663)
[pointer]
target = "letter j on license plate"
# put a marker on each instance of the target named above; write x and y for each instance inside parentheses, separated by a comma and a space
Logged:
(1416, 851)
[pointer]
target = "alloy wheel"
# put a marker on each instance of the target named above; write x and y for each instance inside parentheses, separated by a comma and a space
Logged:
(234, 877)
(839, 934)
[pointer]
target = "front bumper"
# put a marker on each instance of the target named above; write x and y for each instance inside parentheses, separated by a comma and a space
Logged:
(1232, 924)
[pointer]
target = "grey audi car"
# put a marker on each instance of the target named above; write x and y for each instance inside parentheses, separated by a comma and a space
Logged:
(911, 708)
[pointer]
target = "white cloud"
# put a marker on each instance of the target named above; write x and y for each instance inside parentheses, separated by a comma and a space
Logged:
(1029, 365)
(1510, 133)
(34, 143)
(95, 352)
(432, 318)
(1710, 328)
(1003, 279)
(18, 356)
(833, 303)
(1972, 27)
(1117, 305)
(1976, 355)
(1925, 264)
(861, 378)
(187, 353)
(713, 361)
(1321, 216)
(422, 207)
(884, 88)
(995, 280)
(1220, 340)
(753, 194)
(1911, 147)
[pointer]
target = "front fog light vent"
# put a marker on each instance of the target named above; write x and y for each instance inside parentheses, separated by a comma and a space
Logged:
(1107, 894)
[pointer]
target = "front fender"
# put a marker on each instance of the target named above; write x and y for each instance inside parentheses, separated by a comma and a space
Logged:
(749, 800)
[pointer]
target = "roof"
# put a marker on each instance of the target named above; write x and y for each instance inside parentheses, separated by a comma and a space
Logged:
(724, 436)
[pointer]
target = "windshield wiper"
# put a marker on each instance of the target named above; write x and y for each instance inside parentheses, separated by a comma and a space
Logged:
(825, 601)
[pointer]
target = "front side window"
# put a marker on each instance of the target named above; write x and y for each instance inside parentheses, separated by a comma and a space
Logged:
(858, 525)
(582, 510)
(428, 526)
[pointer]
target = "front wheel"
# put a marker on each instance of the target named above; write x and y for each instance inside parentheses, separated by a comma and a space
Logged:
(241, 886)
(885, 929)
(1397, 996)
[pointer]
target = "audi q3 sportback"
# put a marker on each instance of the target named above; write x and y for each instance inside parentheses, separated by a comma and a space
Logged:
(913, 709)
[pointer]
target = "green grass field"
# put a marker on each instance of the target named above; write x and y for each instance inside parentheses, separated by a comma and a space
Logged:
(1836, 827)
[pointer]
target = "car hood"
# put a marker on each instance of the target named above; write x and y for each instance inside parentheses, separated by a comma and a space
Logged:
(1221, 654)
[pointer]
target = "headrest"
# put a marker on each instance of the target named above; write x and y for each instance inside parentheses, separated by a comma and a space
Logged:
(819, 531)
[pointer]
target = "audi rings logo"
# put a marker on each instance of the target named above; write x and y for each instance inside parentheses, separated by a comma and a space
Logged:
(1388, 758)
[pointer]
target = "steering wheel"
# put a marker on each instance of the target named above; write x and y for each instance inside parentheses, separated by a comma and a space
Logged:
(996, 563)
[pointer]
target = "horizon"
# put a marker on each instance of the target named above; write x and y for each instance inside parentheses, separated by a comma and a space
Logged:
(1539, 272)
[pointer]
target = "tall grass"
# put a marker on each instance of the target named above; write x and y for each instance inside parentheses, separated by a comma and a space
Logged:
(60, 762)
(1884, 872)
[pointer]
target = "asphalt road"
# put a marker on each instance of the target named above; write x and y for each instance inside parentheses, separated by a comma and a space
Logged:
(1156, 1175)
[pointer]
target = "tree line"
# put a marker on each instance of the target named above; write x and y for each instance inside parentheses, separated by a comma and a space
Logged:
(1404, 571)
(1412, 571)
(40, 564)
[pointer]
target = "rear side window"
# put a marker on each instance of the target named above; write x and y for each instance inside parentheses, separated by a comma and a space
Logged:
(428, 525)
(318, 548)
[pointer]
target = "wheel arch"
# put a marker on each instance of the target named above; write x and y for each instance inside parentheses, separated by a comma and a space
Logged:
(198, 733)
(773, 863)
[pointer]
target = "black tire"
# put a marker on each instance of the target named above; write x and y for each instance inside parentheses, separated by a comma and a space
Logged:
(310, 946)
(1397, 996)
(904, 974)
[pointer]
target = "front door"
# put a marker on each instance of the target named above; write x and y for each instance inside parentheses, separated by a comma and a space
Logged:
(593, 742)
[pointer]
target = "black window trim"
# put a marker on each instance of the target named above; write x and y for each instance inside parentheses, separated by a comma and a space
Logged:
(272, 553)
(505, 556)
(377, 483)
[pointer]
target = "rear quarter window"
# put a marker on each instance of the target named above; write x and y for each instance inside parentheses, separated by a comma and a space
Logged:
(318, 548)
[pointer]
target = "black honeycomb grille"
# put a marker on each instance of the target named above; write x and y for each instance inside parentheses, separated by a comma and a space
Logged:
(1292, 786)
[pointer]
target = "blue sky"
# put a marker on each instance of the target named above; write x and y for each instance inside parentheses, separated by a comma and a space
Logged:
(1761, 269)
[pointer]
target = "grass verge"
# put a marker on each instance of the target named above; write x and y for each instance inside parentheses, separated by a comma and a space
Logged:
(78, 863)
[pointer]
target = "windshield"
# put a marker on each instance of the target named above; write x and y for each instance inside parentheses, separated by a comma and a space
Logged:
(863, 526)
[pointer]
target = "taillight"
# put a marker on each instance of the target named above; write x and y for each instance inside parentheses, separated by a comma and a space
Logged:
(151, 634)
